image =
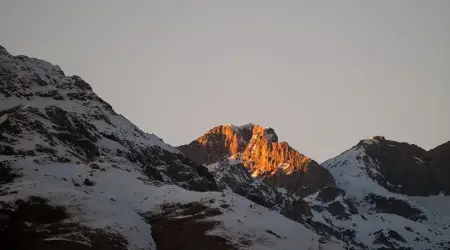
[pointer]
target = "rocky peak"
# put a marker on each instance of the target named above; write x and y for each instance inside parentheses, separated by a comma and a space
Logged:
(3, 51)
(250, 130)
(404, 168)
(262, 154)
(377, 137)
(227, 140)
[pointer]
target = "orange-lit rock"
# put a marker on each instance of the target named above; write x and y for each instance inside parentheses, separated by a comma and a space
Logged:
(265, 157)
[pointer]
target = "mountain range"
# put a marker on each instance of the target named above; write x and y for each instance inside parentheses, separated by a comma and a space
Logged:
(75, 174)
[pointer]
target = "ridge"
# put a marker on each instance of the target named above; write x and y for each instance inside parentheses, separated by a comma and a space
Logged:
(262, 154)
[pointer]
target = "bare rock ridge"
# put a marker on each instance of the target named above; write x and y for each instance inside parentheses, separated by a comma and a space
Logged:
(262, 154)
(408, 169)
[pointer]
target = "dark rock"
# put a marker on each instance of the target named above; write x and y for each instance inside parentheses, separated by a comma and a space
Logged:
(51, 93)
(88, 182)
(338, 210)
(393, 234)
(26, 224)
(7, 150)
(352, 206)
(43, 149)
(330, 193)
(439, 159)
(272, 233)
(7, 173)
(408, 169)
(390, 239)
(81, 144)
(395, 206)
(80, 83)
(224, 205)
(188, 223)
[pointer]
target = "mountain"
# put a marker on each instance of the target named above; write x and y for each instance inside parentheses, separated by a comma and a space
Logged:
(260, 152)
(388, 195)
(74, 174)
(382, 194)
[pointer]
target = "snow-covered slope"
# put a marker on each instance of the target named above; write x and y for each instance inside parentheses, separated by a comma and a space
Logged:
(120, 194)
(231, 174)
(74, 174)
(375, 210)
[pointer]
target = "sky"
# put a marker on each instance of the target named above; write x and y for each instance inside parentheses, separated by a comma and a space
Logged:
(324, 74)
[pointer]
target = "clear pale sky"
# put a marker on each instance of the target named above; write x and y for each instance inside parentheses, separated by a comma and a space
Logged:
(323, 74)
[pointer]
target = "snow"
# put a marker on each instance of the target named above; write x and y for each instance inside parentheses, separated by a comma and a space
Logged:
(239, 128)
(120, 192)
(381, 221)
(64, 85)
(108, 204)
(351, 174)
(420, 161)
(3, 118)
(64, 239)
(249, 221)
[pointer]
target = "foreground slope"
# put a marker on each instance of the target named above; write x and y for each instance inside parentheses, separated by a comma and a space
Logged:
(76, 175)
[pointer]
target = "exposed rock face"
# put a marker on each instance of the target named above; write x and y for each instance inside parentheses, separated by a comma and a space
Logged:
(216, 144)
(395, 206)
(439, 164)
(266, 158)
(232, 174)
(408, 169)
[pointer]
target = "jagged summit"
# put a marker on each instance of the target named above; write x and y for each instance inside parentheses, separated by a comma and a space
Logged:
(377, 137)
(268, 132)
(233, 139)
(259, 150)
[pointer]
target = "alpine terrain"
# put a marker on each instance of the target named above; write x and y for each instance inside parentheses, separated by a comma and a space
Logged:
(380, 194)
(76, 175)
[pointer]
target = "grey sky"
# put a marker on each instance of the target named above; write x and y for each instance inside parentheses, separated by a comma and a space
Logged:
(323, 74)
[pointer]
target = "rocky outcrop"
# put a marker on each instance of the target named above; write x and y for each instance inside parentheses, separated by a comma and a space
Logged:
(439, 163)
(395, 206)
(260, 151)
(217, 144)
(232, 174)
(408, 169)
